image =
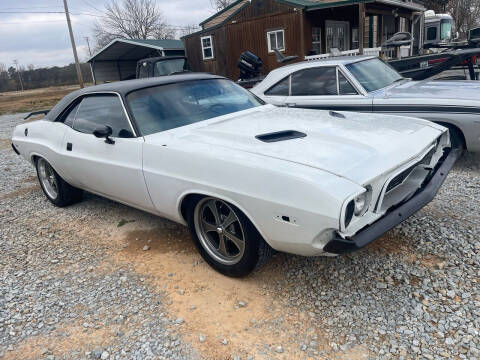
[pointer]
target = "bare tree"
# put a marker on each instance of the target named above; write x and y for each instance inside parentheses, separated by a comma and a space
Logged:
(30, 67)
(131, 19)
(466, 14)
(220, 4)
(188, 29)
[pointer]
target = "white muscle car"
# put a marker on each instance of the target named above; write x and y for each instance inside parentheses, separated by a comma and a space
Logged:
(367, 84)
(246, 177)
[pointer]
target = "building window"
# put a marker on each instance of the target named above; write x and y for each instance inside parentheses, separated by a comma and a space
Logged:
(432, 33)
(355, 43)
(316, 40)
(275, 40)
(207, 47)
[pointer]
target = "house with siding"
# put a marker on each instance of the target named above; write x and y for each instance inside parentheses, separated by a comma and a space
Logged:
(297, 27)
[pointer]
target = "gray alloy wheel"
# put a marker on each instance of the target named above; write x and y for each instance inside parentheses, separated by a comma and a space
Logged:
(48, 179)
(219, 230)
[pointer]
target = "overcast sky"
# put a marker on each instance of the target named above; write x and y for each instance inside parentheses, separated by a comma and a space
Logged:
(42, 39)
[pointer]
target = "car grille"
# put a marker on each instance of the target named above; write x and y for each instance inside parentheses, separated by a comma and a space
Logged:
(400, 178)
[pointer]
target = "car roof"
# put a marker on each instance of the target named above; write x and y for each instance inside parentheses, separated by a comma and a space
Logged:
(341, 60)
(124, 87)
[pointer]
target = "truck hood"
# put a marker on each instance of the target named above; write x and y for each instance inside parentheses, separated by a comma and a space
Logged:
(355, 146)
(437, 90)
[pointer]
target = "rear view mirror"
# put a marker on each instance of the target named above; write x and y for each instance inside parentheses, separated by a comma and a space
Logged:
(104, 131)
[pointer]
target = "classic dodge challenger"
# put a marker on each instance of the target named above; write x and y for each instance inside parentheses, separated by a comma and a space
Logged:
(246, 177)
(367, 84)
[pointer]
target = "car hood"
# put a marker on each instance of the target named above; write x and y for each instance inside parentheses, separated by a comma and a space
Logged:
(359, 147)
(437, 90)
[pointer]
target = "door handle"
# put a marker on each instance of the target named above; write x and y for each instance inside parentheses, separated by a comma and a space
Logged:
(69, 146)
(290, 104)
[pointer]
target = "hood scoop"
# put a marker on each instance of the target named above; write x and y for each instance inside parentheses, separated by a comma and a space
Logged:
(280, 136)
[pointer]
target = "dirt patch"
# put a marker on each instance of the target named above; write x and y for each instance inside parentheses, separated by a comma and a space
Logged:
(5, 144)
(61, 342)
(245, 311)
(391, 243)
(397, 244)
(20, 192)
(32, 100)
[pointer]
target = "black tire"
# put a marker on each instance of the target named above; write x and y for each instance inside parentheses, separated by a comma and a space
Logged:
(256, 251)
(66, 194)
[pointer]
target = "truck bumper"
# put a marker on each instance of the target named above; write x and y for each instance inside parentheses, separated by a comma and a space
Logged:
(340, 245)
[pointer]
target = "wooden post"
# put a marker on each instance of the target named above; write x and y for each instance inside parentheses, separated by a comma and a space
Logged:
(74, 48)
(302, 32)
(361, 27)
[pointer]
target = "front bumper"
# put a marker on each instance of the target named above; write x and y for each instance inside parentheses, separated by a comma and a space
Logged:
(339, 245)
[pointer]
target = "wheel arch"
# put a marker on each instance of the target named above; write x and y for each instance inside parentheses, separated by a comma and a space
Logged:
(456, 128)
(188, 197)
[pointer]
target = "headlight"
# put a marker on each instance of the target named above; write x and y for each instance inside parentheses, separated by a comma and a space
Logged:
(361, 204)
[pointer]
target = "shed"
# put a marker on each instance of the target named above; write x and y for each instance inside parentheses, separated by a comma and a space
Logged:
(118, 60)
(297, 27)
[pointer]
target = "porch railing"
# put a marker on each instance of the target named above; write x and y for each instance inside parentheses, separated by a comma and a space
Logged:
(403, 52)
(367, 51)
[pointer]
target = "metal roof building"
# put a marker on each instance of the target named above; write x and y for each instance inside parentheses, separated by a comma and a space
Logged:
(118, 60)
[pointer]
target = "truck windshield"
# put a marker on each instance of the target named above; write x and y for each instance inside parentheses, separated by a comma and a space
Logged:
(374, 74)
(166, 107)
(167, 67)
(446, 30)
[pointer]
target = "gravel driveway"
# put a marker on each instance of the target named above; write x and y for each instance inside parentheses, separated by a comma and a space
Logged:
(101, 280)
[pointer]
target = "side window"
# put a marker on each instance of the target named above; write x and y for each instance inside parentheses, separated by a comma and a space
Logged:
(344, 85)
(68, 117)
(281, 88)
(432, 33)
(315, 81)
(207, 47)
(275, 40)
(98, 110)
(143, 70)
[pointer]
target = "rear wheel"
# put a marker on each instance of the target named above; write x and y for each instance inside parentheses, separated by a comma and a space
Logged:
(226, 238)
(57, 190)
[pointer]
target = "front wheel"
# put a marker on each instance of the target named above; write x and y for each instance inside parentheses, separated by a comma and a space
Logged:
(57, 190)
(226, 238)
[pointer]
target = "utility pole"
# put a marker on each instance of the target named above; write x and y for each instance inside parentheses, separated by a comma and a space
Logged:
(18, 73)
(74, 48)
(88, 43)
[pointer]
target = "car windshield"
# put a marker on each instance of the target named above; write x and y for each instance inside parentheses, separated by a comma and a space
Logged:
(167, 67)
(446, 30)
(374, 74)
(166, 107)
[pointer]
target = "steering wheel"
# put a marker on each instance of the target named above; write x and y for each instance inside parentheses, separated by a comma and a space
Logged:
(218, 108)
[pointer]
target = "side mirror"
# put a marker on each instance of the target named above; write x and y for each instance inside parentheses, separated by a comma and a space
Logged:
(104, 131)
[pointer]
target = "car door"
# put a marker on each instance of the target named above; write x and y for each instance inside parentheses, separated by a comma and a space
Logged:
(325, 87)
(111, 166)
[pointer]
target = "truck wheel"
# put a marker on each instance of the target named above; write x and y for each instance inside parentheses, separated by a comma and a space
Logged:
(57, 190)
(226, 238)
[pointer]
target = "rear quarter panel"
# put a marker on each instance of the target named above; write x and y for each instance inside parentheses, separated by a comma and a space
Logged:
(41, 138)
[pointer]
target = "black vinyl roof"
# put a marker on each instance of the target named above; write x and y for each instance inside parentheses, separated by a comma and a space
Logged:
(124, 87)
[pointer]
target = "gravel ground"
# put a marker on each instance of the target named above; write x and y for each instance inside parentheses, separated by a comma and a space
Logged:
(75, 283)
(55, 292)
